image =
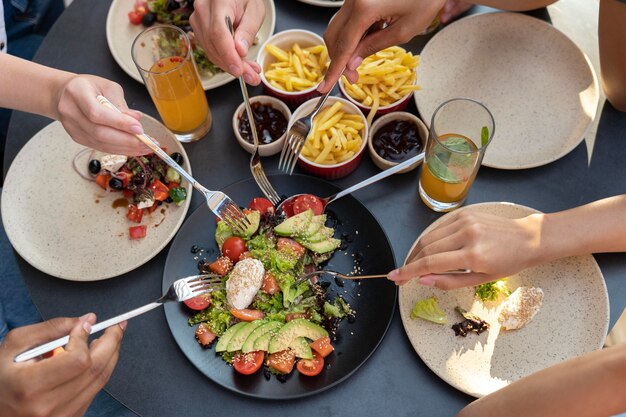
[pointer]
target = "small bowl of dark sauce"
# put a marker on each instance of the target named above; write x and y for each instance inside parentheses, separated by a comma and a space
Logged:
(271, 117)
(396, 137)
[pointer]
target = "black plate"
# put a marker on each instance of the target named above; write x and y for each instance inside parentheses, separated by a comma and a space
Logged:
(373, 300)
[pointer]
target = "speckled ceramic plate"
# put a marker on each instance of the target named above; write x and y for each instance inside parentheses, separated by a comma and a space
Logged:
(121, 34)
(540, 87)
(573, 320)
(323, 3)
(65, 225)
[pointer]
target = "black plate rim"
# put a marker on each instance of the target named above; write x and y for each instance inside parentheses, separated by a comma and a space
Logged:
(168, 310)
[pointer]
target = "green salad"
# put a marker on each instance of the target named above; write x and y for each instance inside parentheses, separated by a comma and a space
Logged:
(261, 317)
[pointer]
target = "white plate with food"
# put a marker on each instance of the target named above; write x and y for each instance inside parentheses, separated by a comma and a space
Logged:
(572, 320)
(121, 33)
(539, 85)
(69, 227)
(323, 3)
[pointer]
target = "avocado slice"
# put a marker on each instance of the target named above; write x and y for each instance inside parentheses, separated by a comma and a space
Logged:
(236, 342)
(323, 246)
(295, 328)
(324, 233)
(269, 327)
(255, 219)
(263, 342)
(301, 347)
(222, 343)
(295, 224)
(316, 224)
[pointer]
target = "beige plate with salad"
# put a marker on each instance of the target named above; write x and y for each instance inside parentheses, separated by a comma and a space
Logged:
(65, 225)
(121, 33)
(573, 320)
(540, 87)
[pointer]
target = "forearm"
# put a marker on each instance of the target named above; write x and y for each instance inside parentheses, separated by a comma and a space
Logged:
(612, 38)
(587, 386)
(30, 87)
(513, 5)
(593, 228)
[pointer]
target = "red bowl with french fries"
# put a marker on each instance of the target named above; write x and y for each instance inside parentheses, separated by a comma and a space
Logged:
(336, 144)
(293, 62)
(386, 82)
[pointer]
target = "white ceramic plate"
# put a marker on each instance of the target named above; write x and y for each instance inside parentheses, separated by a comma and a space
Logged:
(323, 3)
(121, 33)
(540, 87)
(65, 225)
(572, 321)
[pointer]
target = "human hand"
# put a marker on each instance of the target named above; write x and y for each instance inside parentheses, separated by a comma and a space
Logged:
(491, 246)
(64, 384)
(209, 28)
(91, 124)
(453, 9)
(350, 36)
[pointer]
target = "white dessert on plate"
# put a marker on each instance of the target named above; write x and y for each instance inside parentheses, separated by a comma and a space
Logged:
(244, 282)
(520, 308)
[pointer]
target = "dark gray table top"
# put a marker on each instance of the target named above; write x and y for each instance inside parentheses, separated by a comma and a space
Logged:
(154, 378)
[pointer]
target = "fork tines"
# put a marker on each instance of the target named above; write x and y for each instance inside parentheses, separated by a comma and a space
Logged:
(233, 216)
(264, 184)
(290, 152)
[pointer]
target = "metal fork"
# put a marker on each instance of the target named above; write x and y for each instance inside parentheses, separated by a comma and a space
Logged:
(219, 203)
(296, 136)
(181, 290)
(308, 275)
(255, 160)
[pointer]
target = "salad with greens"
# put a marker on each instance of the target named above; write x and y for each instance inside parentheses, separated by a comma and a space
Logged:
(261, 319)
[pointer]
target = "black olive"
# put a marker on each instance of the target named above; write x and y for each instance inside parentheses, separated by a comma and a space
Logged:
(116, 184)
(148, 19)
(94, 166)
(172, 5)
(178, 158)
(195, 249)
(169, 200)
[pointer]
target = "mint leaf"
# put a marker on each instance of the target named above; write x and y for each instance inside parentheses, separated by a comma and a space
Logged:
(484, 136)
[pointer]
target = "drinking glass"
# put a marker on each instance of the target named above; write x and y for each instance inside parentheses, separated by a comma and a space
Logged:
(164, 58)
(460, 131)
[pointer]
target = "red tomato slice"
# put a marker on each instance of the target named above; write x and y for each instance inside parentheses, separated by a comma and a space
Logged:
(286, 244)
(288, 208)
(103, 180)
(308, 201)
(262, 205)
(204, 335)
(269, 286)
(160, 190)
(172, 185)
(200, 302)
(282, 361)
(233, 247)
(221, 266)
(137, 232)
(248, 363)
(322, 346)
(134, 214)
(311, 367)
(247, 314)
(134, 17)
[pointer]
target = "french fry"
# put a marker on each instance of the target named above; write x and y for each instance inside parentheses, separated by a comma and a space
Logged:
(297, 69)
(384, 78)
(335, 136)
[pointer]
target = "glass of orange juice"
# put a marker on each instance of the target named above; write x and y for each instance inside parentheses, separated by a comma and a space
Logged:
(164, 58)
(460, 132)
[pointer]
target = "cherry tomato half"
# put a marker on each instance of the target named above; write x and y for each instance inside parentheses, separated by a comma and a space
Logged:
(233, 247)
(286, 244)
(308, 201)
(262, 205)
(282, 361)
(248, 363)
(270, 285)
(200, 302)
(322, 346)
(204, 335)
(247, 314)
(134, 17)
(311, 367)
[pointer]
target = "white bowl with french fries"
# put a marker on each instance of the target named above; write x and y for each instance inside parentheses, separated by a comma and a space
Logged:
(337, 140)
(387, 80)
(293, 62)
(272, 126)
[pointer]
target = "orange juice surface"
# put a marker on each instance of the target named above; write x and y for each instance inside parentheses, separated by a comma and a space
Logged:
(448, 182)
(178, 94)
